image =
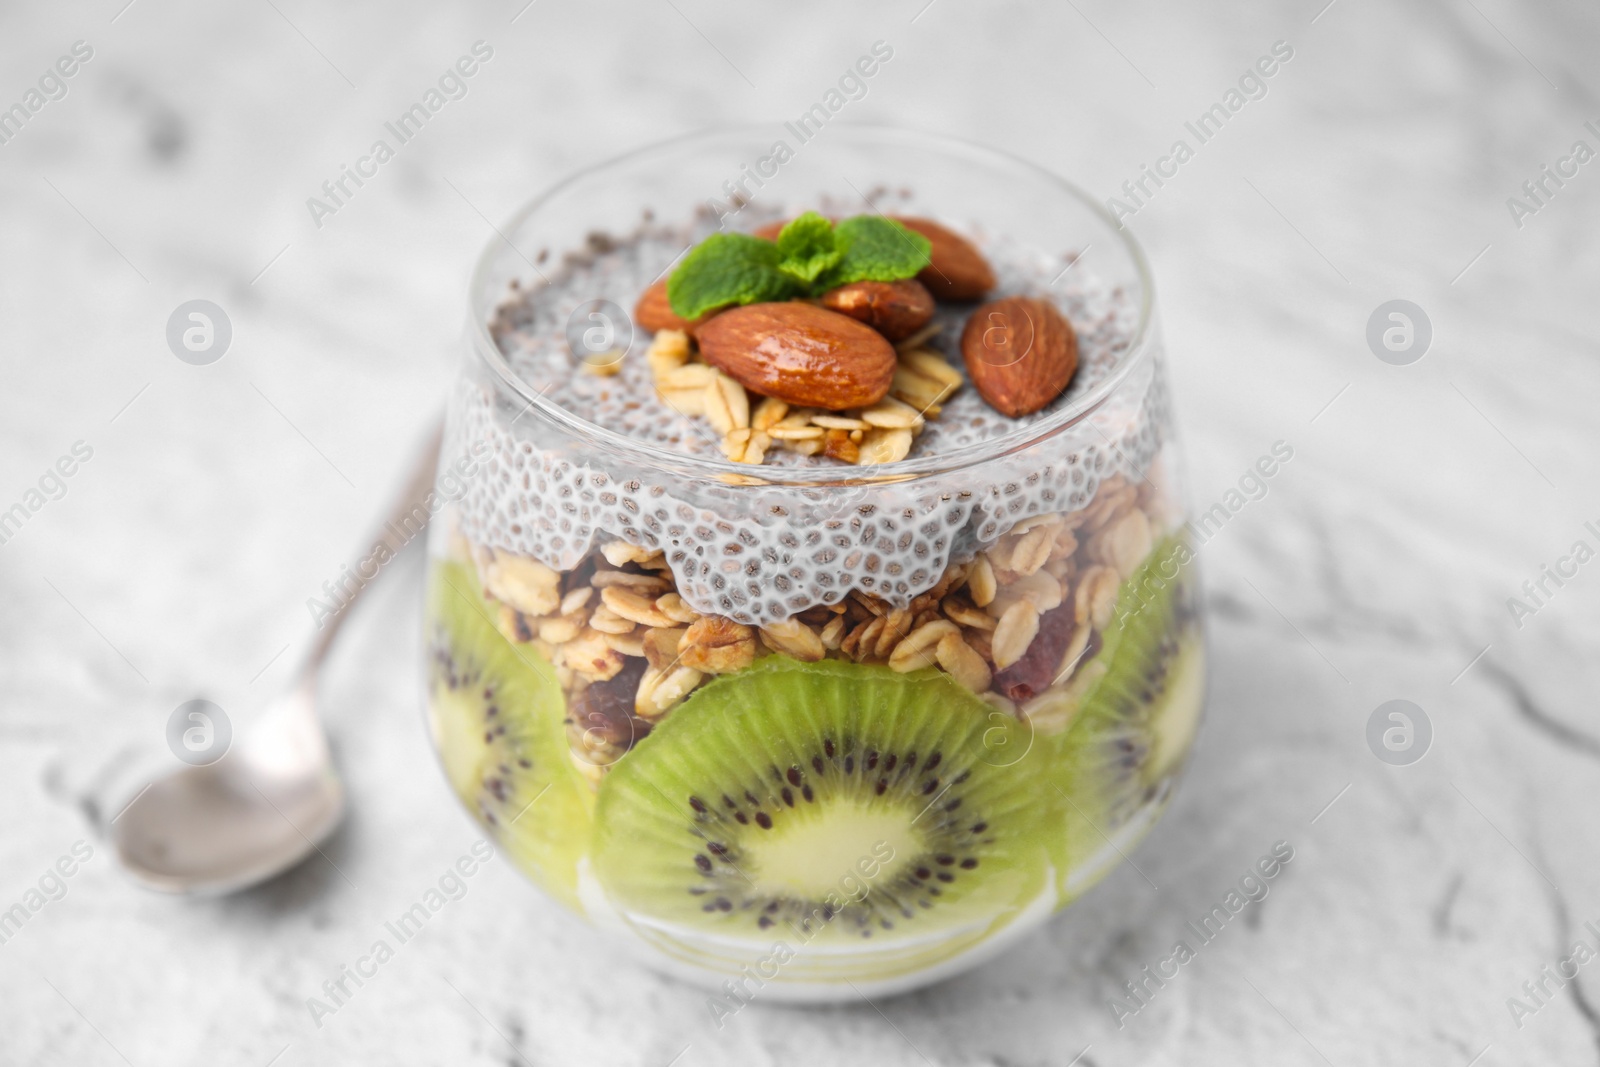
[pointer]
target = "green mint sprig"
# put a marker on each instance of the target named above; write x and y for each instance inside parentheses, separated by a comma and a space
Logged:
(810, 257)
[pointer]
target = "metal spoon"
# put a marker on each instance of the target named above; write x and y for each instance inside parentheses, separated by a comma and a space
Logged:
(267, 803)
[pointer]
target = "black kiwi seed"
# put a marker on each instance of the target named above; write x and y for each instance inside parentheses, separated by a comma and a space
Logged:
(763, 820)
(872, 759)
(794, 776)
(806, 792)
(703, 861)
(788, 797)
(816, 764)
(933, 761)
(697, 804)
(889, 763)
(827, 746)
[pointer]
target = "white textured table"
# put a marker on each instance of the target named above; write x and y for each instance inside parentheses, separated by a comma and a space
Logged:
(1378, 566)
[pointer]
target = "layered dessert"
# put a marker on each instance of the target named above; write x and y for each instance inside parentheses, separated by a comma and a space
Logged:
(840, 612)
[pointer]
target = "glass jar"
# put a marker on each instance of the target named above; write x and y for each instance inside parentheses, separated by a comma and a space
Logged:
(814, 728)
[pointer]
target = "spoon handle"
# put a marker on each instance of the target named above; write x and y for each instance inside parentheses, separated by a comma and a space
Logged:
(407, 519)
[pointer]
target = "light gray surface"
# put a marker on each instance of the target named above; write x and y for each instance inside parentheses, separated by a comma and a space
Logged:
(1379, 565)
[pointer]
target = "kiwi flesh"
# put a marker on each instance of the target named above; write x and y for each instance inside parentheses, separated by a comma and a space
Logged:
(825, 800)
(496, 713)
(1138, 700)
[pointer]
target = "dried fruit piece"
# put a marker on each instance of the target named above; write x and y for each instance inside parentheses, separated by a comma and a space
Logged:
(895, 309)
(1033, 672)
(1020, 352)
(958, 270)
(801, 354)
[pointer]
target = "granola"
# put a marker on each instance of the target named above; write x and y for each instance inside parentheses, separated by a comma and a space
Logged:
(1047, 588)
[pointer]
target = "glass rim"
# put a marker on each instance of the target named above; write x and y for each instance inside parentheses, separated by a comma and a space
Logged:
(585, 431)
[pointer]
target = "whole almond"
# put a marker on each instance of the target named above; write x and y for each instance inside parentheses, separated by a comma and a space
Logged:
(894, 309)
(957, 270)
(1020, 353)
(802, 354)
(654, 312)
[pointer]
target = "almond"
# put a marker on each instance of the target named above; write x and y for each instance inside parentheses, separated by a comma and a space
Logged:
(1020, 352)
(958, 270)
(654, 312)
(802, 354)
(894, 309)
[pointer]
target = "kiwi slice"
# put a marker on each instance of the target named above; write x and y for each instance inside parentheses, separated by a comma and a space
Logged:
(496, 712)
(1140, 698)
(825, 800)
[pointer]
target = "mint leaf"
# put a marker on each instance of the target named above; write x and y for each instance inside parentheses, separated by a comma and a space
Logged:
(810, 257)
(808, 247)
(728, 268)
(876, 249)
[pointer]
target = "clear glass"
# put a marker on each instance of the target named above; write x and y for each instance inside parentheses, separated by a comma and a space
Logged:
(712, 708)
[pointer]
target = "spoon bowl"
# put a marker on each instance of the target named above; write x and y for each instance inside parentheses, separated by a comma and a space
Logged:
(269, 801)
(260, 809)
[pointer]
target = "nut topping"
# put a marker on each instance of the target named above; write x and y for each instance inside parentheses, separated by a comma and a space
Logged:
(1020, 352)
(958, 270)
(801, 354)
(895, 309)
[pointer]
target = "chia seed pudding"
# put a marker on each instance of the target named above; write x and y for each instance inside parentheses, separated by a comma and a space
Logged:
(843, 632)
